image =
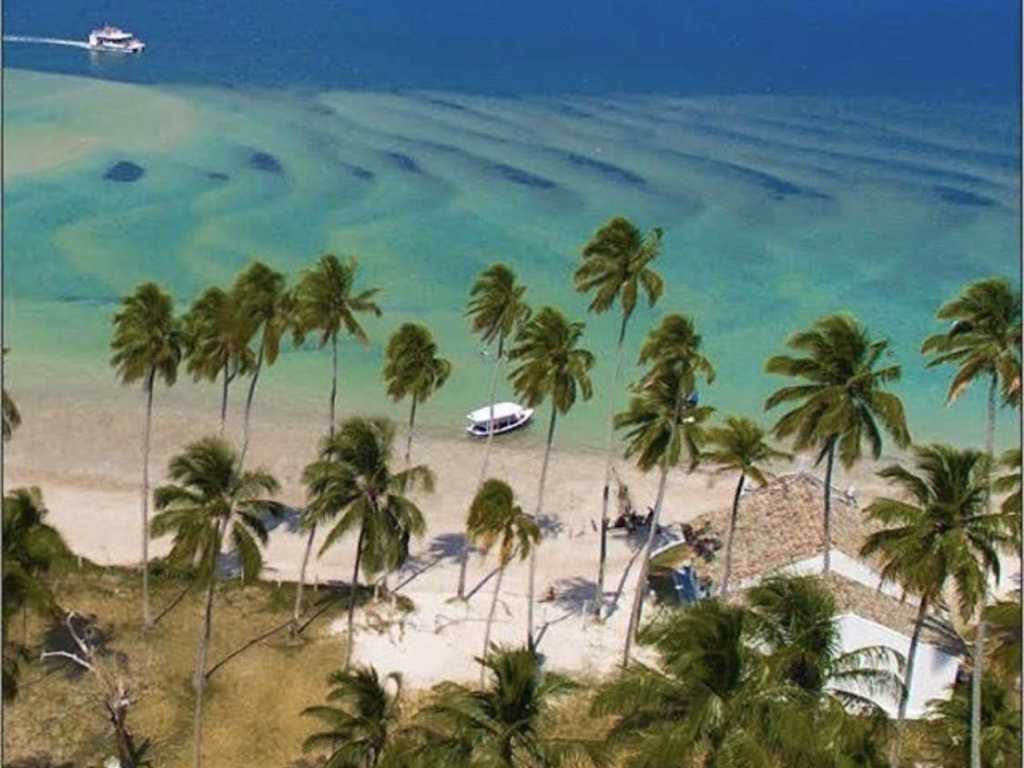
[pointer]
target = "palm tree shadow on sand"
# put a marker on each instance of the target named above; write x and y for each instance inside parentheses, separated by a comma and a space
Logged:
(446, 546)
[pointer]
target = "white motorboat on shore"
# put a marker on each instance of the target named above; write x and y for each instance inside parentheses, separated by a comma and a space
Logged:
(507, 417)
(114, 39)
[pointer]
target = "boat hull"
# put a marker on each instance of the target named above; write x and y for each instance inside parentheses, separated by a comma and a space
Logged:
(115, 49)
(477, 430)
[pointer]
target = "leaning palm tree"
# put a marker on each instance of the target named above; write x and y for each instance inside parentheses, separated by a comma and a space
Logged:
(264, 308)
(412, 367)
(217, 342)
(948, 739)
(358, 732)
(616, 267)
(11, 414)
(352, 484)
(841, 401)
(793, 621)
(549, 364)
(709, 702)
(31, 547)
(147, 343)
(325, 300)
(496, 311)
(506, 723)
(662, 420)
(210, 502)
(937, 533)
(495, 518)
(983, 342)
(739, 446)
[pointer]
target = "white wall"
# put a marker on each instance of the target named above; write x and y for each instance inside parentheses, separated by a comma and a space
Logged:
(934, 670)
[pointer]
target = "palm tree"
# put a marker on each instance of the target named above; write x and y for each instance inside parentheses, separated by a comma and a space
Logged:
(843, 399)
(497, 311)
(11, 415)
(1004, 621)
(984, 341)
(325, 301)
(264, 308)
(948, 740)
(358, 732)
(663, 417)
(1010, 484)
(707, 704)
(208, 502)
(616, 267)
(412, 367)
(217, 342)
(739, 447)
(550, 364)
(351, 481)
(147, 343)
(793, 621)
(495, 518)
(502, 725)
(937, 534)
(31, 548)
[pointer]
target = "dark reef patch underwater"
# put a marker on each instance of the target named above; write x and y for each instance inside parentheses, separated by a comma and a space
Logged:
(124, 171)
(264, 161)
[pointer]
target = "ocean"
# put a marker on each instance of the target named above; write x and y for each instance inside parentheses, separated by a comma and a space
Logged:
(823, 157)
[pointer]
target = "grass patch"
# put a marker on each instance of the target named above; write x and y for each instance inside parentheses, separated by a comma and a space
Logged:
(253, 703)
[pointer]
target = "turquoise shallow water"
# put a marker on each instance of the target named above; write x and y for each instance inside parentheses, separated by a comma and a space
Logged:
(776, 211)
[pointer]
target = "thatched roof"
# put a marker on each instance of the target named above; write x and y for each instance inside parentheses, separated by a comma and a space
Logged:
(782, 523)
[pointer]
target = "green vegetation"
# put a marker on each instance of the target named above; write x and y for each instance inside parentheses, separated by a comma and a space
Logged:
(661, 420)
(148, 342)
(550, 364)
(351, 482)
(842, 401)
(616, 268)
(412, 368)
(495, 518)
(739, 446)
(497, 312)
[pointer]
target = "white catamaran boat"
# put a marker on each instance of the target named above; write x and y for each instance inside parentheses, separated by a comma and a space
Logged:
(507, 416)
(113, 39)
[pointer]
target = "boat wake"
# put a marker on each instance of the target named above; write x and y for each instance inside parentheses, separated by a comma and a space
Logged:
(45, 41)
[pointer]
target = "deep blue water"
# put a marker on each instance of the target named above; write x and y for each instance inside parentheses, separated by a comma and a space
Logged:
(926, 49)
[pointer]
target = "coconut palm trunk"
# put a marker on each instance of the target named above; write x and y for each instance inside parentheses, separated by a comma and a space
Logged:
(464, 554)
(732, 534)
(199, 683)
(412, 429)
(248, 406)
(608, 465)
(352, 598)
(490, 619)
(641, 584)
(297, 611)
(224, 398)
(908, 679)
(334, 375)
(200, 679)
(830, 461)
(530, 641)
(147, 619)
(978, 660)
